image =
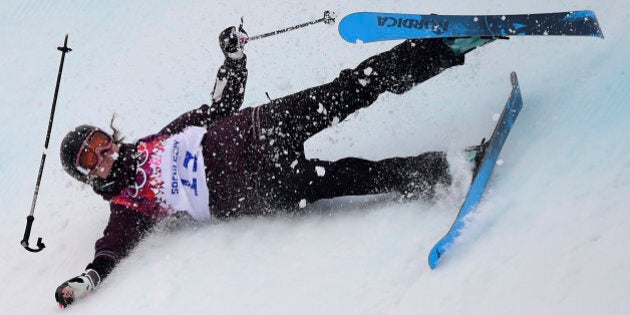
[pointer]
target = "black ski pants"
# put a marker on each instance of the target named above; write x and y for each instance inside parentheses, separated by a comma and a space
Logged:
(288, 178)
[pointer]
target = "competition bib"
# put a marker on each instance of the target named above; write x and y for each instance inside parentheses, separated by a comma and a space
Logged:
(170, 177)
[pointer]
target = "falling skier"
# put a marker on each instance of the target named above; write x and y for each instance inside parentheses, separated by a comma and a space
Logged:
(217, 162)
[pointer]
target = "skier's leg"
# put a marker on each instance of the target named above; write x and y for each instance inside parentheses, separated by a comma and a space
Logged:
(410, 63)
(312, 180)
(287, 122)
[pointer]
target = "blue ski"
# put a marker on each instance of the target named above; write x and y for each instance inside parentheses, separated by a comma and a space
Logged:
(480, 180)
(374, 26)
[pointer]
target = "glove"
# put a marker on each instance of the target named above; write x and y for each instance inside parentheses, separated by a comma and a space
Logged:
(232, 42)
(77, 287)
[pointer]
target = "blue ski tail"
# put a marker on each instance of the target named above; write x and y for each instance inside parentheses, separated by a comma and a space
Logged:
(480, 181)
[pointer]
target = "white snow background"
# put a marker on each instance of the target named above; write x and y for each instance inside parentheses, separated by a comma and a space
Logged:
(550, 237)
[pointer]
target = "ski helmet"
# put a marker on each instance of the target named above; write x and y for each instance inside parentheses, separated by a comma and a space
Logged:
(70, 146)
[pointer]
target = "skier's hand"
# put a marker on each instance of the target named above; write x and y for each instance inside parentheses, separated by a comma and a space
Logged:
(77, 288)
(232, 42)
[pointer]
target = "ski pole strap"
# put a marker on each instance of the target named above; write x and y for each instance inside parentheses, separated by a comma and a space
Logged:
(329, 18)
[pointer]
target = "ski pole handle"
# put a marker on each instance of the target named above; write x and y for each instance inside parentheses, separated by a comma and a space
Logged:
(27, 235)
(329, 18)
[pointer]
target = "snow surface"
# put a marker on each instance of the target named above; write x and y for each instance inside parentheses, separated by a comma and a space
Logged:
(550, 237)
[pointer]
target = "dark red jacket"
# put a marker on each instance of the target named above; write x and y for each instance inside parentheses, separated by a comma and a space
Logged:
(222, 156)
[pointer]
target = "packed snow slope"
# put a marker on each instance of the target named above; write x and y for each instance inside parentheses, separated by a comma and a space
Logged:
(550, 236)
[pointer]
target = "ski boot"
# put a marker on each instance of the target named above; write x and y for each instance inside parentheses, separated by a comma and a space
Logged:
(463, 45)
(475, 154)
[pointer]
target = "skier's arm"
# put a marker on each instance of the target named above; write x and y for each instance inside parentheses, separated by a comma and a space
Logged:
(229, 87)
(125, 229)
(227, 98)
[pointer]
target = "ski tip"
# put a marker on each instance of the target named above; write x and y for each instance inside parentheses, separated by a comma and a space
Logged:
(599, 33)
(435, 254)
(514, 78)
(588, 17)
(433, 259)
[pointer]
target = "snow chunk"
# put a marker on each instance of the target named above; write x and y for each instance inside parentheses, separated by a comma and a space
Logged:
(367, 71)
(499, 162)
(321, 109)
(320, 171)
(302, 204)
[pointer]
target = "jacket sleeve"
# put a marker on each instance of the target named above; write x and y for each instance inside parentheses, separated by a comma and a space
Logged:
(124, 231)
(227, 98)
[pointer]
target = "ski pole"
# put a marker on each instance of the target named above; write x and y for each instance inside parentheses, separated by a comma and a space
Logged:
(30, 218)
(329, 18)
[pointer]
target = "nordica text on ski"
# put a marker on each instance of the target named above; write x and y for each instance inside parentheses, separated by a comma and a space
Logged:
(428, 24)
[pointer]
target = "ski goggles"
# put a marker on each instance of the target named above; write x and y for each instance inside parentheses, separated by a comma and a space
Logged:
(90, 154)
